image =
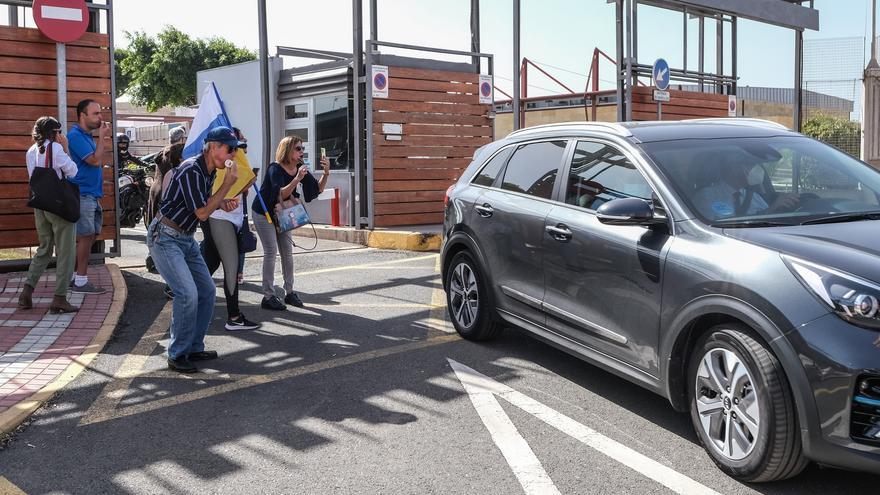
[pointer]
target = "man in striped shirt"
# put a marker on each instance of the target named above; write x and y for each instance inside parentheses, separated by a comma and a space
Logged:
(186, 201)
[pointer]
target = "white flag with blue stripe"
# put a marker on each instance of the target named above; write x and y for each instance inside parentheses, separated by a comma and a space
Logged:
(210, 115)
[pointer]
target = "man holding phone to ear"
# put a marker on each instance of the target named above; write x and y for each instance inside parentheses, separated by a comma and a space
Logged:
(90, 178)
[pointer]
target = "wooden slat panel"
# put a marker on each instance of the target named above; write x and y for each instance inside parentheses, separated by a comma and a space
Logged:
(678, 111)
(410, 185)
(19, 205)
(33, 81)
(15, 142)
(450, 174)
(424, 163)
(19, 190)
(34, 35)
(439, 130)
(431, 97)
(684, 102)
(25, 238)
(46, 66)
(26, 221)
(433, 141)
(409, 219)
(432, 75)
(15, 127)
(47, 51)
(449, 108)
(408, 197)
(440, 86)
(430, 118)
(433, 151)
(674, 93)
(41, 97)
(400, 208)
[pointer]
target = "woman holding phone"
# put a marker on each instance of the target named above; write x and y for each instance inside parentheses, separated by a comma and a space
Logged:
(281, 179)
(54, 232)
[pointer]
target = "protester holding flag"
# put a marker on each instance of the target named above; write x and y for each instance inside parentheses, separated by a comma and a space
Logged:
(282, 178)
(175, 252)
(220, 245)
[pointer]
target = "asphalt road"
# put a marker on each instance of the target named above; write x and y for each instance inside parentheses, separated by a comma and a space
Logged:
(363, 391)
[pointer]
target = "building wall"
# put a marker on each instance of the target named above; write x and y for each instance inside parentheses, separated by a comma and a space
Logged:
(504, 121)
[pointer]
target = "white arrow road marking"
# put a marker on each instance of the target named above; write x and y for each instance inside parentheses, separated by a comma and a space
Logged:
(481, 389)
(61, 13)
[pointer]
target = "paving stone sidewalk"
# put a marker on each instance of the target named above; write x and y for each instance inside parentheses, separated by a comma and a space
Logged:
(39, 351)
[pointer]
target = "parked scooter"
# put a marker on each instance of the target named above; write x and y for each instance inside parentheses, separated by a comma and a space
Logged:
(135, 179)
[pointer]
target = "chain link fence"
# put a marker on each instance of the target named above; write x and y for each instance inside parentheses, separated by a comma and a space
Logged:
(832, 97)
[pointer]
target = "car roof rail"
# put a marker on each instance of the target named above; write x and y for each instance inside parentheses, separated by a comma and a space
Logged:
(742, 121)
(612, 127)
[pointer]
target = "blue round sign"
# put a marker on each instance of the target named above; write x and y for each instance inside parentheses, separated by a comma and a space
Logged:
(660, 74)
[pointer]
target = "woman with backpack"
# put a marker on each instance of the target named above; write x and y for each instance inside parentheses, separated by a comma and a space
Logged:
(50, 150)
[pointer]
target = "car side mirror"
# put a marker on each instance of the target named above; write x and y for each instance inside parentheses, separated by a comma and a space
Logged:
(628, 211)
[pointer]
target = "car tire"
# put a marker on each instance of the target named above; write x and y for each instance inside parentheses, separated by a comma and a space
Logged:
(468, 300)
(742, 407)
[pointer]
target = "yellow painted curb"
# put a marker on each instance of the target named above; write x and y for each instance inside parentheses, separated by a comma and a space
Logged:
(13, 416)
(409, 241)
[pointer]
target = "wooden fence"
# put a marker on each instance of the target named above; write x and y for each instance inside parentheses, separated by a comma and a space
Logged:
(683, 105)
(28, 90)
(443, 124)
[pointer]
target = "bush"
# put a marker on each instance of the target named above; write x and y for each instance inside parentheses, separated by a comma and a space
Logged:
(841, 133)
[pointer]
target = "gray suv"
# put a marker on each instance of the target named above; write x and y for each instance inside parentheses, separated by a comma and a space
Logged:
(730, 265)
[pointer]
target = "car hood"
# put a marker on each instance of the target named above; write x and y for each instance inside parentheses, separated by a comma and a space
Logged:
(852, 247)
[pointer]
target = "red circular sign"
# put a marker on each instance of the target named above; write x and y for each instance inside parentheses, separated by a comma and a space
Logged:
(61, 20)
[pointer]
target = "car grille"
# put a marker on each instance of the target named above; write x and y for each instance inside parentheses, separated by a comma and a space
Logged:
(865, 418)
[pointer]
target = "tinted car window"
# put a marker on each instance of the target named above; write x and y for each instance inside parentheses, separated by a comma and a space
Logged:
(600, 173)
(533, 168)
(488, 174)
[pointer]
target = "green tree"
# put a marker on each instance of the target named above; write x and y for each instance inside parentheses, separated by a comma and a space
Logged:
(162, 71)
(840, 132)
(122, 80)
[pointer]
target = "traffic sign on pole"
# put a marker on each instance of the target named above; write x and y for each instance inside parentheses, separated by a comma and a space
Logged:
(61, 20)
(660, 74)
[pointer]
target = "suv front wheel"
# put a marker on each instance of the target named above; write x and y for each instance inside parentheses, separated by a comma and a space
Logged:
(467, 299)
(742, 408)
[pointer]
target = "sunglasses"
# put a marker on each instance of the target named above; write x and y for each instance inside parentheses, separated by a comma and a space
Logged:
(231, 148)
(298, 148)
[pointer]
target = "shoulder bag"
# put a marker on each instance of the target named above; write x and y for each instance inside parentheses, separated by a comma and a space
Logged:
(51, 193)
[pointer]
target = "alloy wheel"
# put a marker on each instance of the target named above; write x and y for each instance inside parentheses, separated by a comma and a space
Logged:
(464, 296)
(727, 404)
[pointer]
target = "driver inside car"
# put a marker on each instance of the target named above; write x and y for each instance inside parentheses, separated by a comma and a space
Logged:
(738, 193)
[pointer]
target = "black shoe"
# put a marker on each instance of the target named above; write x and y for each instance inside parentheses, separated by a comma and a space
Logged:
(168, 292)
(202, 356)
(273, 303)
(182, 365)
(240, 323)
(293, 300)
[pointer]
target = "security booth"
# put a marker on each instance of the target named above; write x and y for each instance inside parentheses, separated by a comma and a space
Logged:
(40, 76)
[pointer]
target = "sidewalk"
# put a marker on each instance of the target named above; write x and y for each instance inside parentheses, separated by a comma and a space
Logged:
(40, 352)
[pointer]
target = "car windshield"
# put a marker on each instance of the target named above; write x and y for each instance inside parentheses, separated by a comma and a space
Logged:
(768, 181)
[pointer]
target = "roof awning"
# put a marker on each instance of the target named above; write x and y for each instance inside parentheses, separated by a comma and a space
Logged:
(785, 13)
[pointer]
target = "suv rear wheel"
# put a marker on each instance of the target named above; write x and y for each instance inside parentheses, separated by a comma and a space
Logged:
(741, 406)
(467, 299)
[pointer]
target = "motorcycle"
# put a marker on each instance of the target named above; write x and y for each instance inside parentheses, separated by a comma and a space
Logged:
(134, 191)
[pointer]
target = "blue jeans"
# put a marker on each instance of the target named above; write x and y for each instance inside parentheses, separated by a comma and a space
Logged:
(180, 263)
(91, 216)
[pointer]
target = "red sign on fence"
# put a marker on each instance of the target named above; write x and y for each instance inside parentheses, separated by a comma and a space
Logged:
(61, 20)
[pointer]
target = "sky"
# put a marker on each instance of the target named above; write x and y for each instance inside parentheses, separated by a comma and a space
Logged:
(559, 35)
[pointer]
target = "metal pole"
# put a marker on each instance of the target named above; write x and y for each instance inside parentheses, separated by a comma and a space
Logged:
(701, 50)
(621, 104)
(684, 28)
(117, 241)
(369, 131)
(13, 15)
(374, 21)
(357, 77)
(61, 73)
(719, 52)
(264, 81)
(516, 62)
(475, 33)
(798, 79)
(873, 29)
(629, 61)
(733, 54)
(634, 56)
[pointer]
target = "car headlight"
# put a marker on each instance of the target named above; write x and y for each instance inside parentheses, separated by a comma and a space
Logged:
(854, 299)
(124, 180)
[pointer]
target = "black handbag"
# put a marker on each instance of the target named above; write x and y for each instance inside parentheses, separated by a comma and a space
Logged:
(52, 194)
(247, 241)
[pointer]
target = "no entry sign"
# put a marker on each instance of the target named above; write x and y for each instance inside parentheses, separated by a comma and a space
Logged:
(61, 20)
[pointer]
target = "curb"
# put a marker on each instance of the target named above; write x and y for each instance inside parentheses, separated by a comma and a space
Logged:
(15, 415)
(381, 239)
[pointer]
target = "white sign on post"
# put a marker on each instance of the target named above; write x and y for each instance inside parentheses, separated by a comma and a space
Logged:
(486, 89)
(380, 81)
(731, 105)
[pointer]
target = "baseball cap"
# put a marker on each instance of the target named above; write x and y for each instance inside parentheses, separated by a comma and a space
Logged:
(223, 135)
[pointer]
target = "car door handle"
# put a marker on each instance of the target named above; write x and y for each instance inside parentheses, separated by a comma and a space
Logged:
(559, 232)
(485, 210)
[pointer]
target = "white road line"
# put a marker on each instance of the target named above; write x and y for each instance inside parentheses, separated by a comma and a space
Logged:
(479, 387)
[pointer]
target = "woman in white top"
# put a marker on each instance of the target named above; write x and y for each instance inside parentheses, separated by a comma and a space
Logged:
(52, 230)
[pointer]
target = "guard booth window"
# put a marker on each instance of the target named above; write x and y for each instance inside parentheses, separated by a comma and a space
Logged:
(332, 129)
